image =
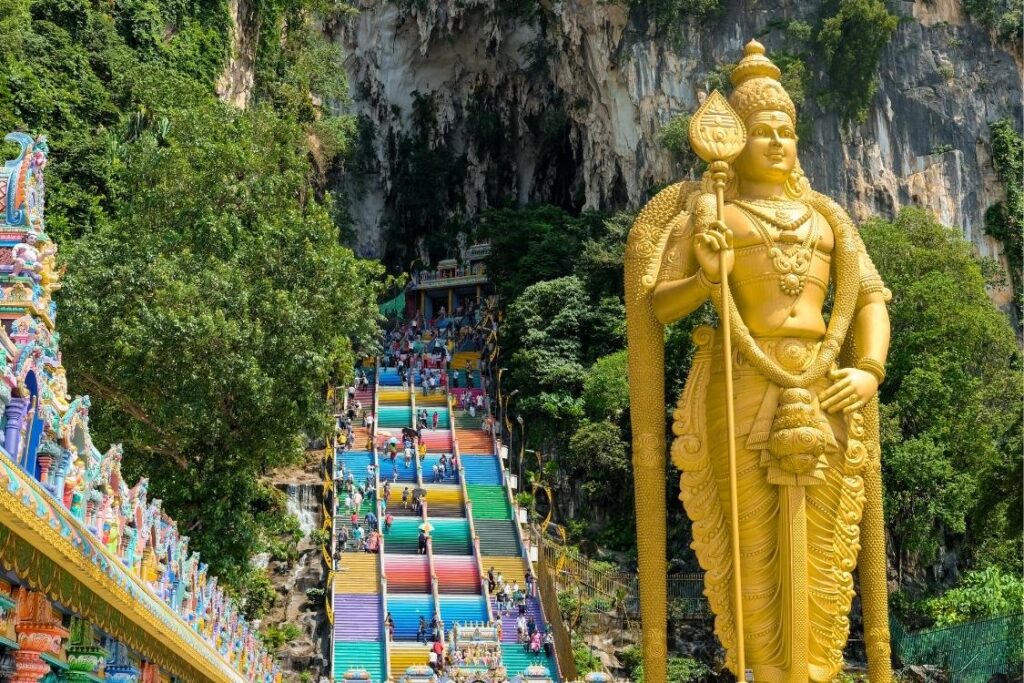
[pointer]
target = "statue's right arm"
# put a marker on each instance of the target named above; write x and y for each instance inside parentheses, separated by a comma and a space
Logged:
(679, 291)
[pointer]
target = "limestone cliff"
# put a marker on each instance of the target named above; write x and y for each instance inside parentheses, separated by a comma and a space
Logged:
(565, 104)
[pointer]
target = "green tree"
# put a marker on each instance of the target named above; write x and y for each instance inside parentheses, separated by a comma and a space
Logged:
(952, 399)
(207, 313)
(852, 38)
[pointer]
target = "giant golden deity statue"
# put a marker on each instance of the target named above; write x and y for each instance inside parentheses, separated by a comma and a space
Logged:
(776, 432)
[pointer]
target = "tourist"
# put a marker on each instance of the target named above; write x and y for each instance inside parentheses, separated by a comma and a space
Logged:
(490, 580)
(435, 419)
(432, 657)
(521, 628)
(405, 498)
(389, 625)
(531, 626)
(342, 540)
(421, 631)
(535, 643)
(421, 546)
(348, 503)
(388, 520)
(531, 588)
(357, 535)
(549, 644)
(437, 473)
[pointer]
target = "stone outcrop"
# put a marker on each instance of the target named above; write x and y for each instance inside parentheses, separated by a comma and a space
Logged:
(574, 97)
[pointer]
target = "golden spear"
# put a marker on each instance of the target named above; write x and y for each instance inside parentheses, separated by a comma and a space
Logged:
(718, 136)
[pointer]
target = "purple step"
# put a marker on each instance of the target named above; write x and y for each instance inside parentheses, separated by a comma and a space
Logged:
(508, 621)
(357, 616)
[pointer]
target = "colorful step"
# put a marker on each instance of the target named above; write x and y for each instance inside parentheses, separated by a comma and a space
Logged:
(450, 536)
(516, 659)
(497, 537)
(407, 574)
(357, 616)
(388, 468)
(355, 462)
(444, 500)
(394, 418)
(427, 465)
(457, 574)
(489, 502)
(393, 397)
(508, 619)
(389, 377)
(464, 609)
(404, 655)
(357, 573)
(438, 441)
(403, 538)
(511, 567)
(354, 655)
(474, 440)
(481, 469)
(406, 611)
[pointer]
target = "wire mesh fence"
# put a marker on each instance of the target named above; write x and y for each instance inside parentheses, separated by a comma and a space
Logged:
(972, 652)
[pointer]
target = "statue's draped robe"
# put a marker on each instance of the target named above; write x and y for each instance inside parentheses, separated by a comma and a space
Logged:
(834, 492)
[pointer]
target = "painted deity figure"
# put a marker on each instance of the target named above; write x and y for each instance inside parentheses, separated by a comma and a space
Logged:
(804, 391)
(28, 257)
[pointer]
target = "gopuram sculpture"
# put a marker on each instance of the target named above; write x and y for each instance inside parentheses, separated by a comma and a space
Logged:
(776, 432)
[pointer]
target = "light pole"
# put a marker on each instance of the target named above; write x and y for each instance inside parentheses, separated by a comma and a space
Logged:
(522, 447)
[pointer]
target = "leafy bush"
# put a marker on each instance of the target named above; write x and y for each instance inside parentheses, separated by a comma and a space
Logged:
(315, 594)
(680, 670)
(1005, 220)
(276, 636)
(986, 593)
(319, 537)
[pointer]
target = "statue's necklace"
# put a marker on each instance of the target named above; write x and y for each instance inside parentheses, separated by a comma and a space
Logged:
(791, 262)
(776, 213)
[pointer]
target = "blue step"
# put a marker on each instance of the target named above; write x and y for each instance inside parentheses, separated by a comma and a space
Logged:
(405, 474)
(481, 469)
(356, 463)
(463, 609)
(406, 610)
(388, 377)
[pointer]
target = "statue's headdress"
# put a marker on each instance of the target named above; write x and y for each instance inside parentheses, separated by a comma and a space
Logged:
(757, 86)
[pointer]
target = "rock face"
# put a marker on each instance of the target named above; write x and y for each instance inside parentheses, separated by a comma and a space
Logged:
(565, 105)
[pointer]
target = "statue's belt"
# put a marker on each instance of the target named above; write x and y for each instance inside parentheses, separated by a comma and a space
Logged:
(790, 430)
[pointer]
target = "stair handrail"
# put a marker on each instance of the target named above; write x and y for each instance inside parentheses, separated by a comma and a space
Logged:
(382, 579)
(564, 662)
(435, 589)
(468, 505)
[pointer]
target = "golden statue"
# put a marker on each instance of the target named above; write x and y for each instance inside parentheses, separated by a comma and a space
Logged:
(779, 448)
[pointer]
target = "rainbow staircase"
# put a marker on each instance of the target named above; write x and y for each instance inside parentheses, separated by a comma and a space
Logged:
(470, 519)
(358, 598)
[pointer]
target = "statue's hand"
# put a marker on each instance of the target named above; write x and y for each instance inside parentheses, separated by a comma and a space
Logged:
(850, 390)
(710, 245)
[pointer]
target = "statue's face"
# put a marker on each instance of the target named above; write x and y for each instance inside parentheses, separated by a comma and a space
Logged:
(770, 154)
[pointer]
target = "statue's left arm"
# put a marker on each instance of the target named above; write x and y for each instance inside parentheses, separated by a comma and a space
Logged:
(853, 387)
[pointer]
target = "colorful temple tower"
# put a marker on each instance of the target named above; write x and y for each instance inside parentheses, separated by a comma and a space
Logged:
(96, 581)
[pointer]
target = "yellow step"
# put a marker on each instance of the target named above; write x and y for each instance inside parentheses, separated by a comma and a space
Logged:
(512, 568)
(404, 655)
(393, 396)
(357, 572)
(437, 400)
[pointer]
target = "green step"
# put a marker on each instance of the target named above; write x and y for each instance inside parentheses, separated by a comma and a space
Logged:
(359, 655)
(489, 502)
(403, 537)
(497, 537)
(515, 660)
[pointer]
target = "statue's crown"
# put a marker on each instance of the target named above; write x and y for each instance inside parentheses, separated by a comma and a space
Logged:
(757, 86)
